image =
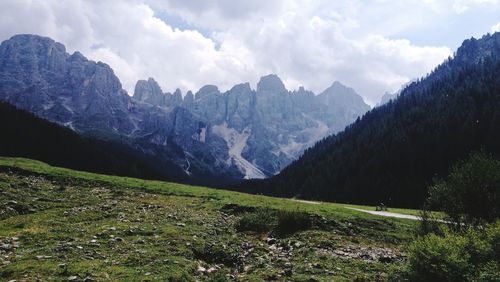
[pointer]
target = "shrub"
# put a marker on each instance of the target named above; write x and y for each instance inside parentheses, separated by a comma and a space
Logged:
(429, 224)
(280, 223)
(435, 258)
(470, 195)
(290, 222)
(261, 220)
(467, 256)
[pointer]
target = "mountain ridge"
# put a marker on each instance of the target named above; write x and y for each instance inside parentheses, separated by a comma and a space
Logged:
(271, 126)
(394, 151)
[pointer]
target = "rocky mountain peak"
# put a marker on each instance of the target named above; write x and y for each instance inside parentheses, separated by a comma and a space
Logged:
(176, 99)
(338, 89)
(271, 83)
(189, 95)
(340, 98)
(473, 50)
(206, 90)
(149, 91)
(339, 93)
(77, 92)
(241, 88)
(188, 100)
(32, 53)
(77, 57)
(36, 42)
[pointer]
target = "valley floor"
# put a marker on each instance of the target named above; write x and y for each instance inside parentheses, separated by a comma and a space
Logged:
(59, 225)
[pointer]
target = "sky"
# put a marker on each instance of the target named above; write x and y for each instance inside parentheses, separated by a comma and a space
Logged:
(373, 46)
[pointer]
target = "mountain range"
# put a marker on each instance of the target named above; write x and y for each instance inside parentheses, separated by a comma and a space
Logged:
(393, 153)
(209, 137)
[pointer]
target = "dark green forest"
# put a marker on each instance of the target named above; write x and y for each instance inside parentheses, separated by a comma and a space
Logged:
(25, 135)
(394, 152)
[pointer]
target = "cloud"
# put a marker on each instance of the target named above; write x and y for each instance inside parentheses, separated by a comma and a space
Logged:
(314, 51)
(219, 14)
(191, 43)
(495, 28)
(127, 36)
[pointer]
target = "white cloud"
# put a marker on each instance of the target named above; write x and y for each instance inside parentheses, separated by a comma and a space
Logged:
(128, 37)
(496, 27)
(315, 51)
(310, 43)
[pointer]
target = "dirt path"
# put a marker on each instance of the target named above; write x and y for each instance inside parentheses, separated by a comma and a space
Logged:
(381, 213)
(307, 202)
(388, 214)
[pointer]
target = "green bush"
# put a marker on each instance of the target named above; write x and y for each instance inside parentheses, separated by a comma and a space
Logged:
(261, 220)
(470, 195)
(278, 222)
(290, 222)
(429, 224)
(469, 256)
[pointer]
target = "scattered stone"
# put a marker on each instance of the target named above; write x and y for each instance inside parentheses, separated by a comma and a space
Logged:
(211, 269)
(201, 269)
(6, 247)
(317, 265)
(271, 241)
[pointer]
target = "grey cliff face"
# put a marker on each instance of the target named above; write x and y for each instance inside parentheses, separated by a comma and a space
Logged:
(241, 133)
(149, 91)
(266, 129)
(36, 74)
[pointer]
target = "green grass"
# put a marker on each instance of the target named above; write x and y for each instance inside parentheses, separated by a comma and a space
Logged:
(193, 191)
(116, 228)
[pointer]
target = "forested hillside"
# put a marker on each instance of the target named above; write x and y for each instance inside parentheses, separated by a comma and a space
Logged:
(25, 135)
(393, 152)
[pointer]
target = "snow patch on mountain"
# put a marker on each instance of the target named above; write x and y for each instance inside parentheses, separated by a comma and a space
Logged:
(236, 142)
